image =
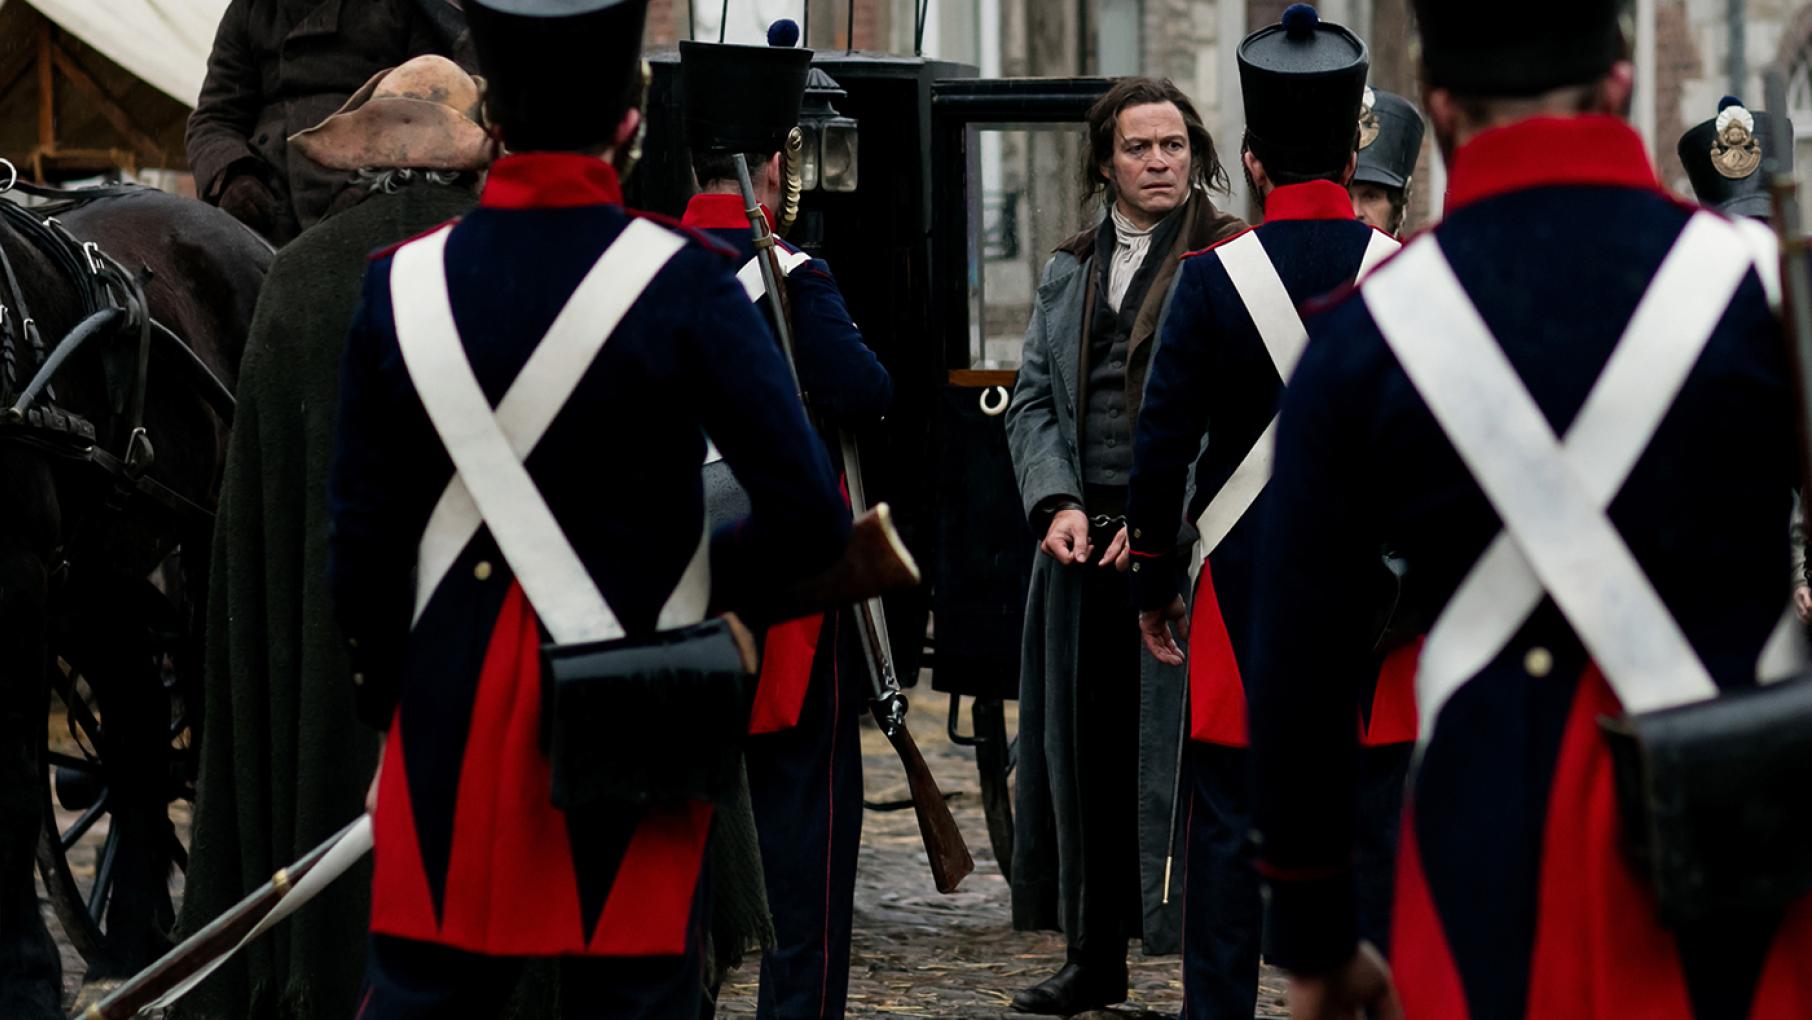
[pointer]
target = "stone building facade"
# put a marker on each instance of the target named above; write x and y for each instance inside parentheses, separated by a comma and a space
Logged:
(1689, 53)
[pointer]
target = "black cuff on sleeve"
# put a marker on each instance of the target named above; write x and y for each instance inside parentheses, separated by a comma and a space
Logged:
(1048, 508)
(1311, 925)
(1154, 581)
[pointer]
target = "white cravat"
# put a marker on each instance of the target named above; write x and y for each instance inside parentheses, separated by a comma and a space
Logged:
(1130, 246)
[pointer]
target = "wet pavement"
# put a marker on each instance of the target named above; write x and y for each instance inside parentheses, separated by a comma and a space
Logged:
(916, 953)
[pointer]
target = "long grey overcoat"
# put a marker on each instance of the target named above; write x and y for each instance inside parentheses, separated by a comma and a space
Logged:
(1042, 435)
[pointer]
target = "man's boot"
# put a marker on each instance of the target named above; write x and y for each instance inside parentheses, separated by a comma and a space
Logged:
(1077, 988)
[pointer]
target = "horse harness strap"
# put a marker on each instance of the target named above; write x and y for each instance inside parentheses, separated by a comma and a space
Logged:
(113, 302)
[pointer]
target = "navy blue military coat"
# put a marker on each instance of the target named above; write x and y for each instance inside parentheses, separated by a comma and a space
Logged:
(1212, 374)
(469, 851)
(848, 388)
(1513, 899)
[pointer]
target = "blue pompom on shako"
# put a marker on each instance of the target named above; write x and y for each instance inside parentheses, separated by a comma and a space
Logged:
(744, 99)
(1300, 19)
(784, 32)
(1727, 102)
(1303, 82)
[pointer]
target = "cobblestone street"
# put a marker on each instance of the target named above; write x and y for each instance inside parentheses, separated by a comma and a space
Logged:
(917, 953)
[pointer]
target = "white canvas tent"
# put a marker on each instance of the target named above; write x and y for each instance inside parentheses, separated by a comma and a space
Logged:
(102, 86)
(164, 42)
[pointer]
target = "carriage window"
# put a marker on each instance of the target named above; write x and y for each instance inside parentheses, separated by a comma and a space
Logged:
(1025, 199)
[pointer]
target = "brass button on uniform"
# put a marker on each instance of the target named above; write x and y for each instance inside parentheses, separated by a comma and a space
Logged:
(1538, 662)
(1135, 568)
(483, 570)
(1136, 533)
(358, 679)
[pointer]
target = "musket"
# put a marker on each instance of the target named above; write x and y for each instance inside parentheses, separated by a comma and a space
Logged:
(187, 965)
(1796, 271)
(944, 845)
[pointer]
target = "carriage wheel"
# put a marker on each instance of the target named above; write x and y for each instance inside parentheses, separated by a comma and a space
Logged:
(994, 761)
(80, 850)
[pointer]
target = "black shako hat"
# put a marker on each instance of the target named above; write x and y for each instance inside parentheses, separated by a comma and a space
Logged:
(558, 73)
(743, 98)
(1390, 139)
(1724, 158)
(1302, 80)
(1482, 49)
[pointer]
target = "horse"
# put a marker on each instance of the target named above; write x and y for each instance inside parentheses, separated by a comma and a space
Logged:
(105, 493)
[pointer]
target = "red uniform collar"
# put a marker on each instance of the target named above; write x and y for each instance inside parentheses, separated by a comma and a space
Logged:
(1546, 152)
(720, 211)
(1316, 200)
(550, 180)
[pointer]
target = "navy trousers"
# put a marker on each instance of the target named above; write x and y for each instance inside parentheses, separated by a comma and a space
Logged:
(1222, 913)
(1383, 772)
(806, 787)
(410, 980)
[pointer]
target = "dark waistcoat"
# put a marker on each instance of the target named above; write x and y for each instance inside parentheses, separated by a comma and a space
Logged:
(1105, 421)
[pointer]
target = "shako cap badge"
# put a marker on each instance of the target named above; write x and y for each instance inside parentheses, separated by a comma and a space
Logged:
(1736, 152)
(1369, 128)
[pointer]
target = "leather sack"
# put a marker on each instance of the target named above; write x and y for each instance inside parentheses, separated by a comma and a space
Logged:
(647, 720)
(1716, 800)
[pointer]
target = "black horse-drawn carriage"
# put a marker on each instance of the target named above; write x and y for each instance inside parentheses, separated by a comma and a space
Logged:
(122, 314)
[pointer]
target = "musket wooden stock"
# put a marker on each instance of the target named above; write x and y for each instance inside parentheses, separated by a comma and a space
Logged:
(876, 562)
(944, 843)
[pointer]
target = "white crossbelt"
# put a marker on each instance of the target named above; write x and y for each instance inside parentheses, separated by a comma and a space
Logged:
(750, 273)
(1268, 302)
(1552, 498)
(471, 430)
(754, 285)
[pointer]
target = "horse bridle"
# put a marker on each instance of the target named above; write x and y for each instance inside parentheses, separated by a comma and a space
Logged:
(113, 303)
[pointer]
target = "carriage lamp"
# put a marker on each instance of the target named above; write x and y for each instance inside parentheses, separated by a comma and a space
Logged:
(828, 157)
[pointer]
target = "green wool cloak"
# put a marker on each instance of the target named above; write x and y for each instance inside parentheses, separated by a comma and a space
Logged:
(284, 763)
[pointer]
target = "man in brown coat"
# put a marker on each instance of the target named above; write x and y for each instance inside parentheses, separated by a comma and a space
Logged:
(279, 66)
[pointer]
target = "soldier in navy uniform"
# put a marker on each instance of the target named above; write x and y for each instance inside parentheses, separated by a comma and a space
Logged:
(1231, 334)
(1390, 142)
(475, 869)
(1723, 158)
(805, 758)
(1514, 898)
